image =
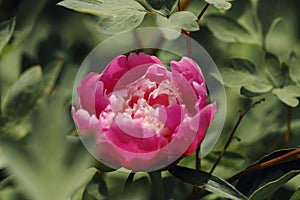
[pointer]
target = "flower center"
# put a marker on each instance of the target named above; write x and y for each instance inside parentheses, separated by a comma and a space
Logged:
(140, 102)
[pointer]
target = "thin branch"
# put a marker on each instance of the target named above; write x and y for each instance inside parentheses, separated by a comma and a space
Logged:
(288, 128)
(202, 12)
(185, 4)
(242, 115)
(292, 155)
(197, 159)
(179, 6)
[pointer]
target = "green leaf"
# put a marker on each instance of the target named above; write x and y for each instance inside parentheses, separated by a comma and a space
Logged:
(25, 95)
(6, 31)
(296, 195)
(243, 65)
(295, 68)
(87, 178)
(227, 29)
(267, 15)
(262, 183)
(164, 7)
(288, 94)
(209, 182)
(97, 187)
(115, 15)
(266, 190)
(20, 99)
(238, 78)
(273, 70)
(46, 166)
(180, 20)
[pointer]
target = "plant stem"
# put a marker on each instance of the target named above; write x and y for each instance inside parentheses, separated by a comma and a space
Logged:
(242, 115)
(202, 12)
(292, 155)
(197, 159)
(179, 6)
(288, 128)
(185, 4)
(156, 185)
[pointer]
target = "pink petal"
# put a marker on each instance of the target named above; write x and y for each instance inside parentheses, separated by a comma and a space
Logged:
(200, 123)
(189, 69)
(101, 100)
(86, 92)
(113, 72)
(86, 123)
(135, 60)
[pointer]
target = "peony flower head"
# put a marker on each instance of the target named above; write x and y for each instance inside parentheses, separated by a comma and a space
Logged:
(142, 116)
(220, 4)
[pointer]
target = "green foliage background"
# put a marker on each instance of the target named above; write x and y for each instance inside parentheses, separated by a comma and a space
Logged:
(255, 44)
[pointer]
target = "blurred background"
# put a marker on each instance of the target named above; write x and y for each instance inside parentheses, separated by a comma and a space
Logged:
(40, 155)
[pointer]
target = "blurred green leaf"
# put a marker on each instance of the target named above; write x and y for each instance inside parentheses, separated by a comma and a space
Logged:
(238, 78)
(267, 15)
(227, 29)
(43, 166)
(273, 69)
(96, 188)
(26, 19)
(25, 95)
(207, 181)
(115, 15)
(180, 20)
(288, 94)
(6, 31)
(295, 68)
(262, 183)
(266, 190)
(296, 195)
(243, 65)
(164, 7)
(90, 184)
(19, 99)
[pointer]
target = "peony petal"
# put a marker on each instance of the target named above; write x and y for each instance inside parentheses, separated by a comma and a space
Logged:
(127, 142)
(113, 72)
(86, 92)
(189, 69)
(101, 100)
(85, 123)
(200, 124)
(135, 60)
(157, 73)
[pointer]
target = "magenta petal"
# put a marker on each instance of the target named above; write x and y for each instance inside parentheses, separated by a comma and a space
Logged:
(86, 92)
(189, 69)
(113, 72)
(200, 124)
(101, 100)
(135, 60)
(86, 123)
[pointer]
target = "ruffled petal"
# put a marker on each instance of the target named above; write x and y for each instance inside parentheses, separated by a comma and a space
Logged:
(200, 123)
(86, 92)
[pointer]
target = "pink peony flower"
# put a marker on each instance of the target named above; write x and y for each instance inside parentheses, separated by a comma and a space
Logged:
(142, 116)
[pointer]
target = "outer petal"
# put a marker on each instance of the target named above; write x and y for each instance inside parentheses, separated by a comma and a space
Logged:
(120, 66)
(138, 144)
(113, 72)
(86, 123)
(189, 69)
(135, 60)
(101, 99)
(86, 92)
(200, 124)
